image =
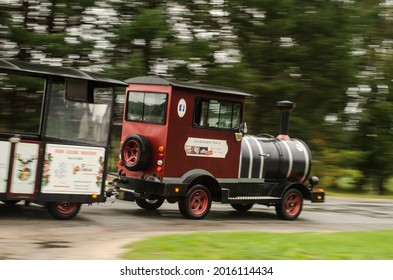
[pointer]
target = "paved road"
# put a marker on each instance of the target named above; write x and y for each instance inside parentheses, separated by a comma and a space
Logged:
(100, 231)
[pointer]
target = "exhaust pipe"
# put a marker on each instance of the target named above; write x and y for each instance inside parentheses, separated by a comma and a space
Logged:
(285, 107)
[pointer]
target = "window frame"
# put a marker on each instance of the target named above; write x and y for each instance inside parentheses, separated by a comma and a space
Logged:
(198, 113)
(56, 89)
(126, 118)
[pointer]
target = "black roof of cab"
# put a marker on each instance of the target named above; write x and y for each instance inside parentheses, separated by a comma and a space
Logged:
(155, 80)
(41, 70)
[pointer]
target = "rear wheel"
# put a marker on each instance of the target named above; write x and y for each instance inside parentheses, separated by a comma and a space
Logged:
(291, 205)
(197, 202)
(150, 204)
(242, 207)
(63, 210)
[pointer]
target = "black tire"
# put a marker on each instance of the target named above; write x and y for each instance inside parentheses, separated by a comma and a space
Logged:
(135, 152)
(242, 207)
(150, 204)
(197, 203)
(63, 210)
(290, 206)
(10, 202)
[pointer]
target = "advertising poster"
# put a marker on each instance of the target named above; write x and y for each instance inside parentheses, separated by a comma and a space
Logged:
(5, 148)
(25, 168)
(202, 147)
(73, 169)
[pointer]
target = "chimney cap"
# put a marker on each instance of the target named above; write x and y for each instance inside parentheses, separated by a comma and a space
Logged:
(285, 105)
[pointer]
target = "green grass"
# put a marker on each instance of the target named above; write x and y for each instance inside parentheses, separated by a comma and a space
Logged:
(361, 245)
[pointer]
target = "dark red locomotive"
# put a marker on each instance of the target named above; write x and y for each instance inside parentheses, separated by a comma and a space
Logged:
(186, 143)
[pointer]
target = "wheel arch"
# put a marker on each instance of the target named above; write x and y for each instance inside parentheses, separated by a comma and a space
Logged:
(283, 187)
(205, 178)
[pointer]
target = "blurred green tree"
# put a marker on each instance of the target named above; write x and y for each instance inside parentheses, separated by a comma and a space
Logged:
(333, 58)
(46, 31)
(370, 110)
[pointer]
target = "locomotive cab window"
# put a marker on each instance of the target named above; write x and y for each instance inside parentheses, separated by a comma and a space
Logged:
(220, 114)
(147, 107)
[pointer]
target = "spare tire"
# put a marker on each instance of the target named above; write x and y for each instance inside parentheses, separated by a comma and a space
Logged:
(135, 152)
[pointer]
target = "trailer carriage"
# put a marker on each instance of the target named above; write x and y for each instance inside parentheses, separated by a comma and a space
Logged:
(55, 127)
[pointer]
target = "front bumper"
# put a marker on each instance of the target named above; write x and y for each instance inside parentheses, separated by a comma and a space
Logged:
(317, 196)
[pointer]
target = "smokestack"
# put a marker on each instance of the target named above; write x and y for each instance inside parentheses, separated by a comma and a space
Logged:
(285, 107)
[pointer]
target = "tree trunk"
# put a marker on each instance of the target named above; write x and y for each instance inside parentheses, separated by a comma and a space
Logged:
(378, 187)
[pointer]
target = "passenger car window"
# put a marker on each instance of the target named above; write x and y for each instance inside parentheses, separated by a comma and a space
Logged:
(146, 107)
(85, 122)
(217, 114)
(21, 99)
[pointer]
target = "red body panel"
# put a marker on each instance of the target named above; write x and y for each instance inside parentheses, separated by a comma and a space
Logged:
(178, 130)
(181, 129)
(156, 134)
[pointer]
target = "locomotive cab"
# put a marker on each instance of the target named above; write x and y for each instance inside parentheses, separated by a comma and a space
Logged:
(186, 143)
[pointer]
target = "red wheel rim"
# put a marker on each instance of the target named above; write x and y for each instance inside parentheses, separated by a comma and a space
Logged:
(293, 204)
(66, 208)
(131, 152)
(199, 202)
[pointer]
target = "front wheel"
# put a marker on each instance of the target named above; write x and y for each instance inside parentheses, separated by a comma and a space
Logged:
(197, 202)
(63, 210)
(150, 204)
(291, 205)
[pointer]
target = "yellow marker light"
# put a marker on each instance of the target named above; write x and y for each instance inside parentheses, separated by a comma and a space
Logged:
(94, 196)
(177, 190)
(319, 197)
(161, 149)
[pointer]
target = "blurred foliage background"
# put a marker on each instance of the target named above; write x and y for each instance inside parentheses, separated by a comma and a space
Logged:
(334, 58)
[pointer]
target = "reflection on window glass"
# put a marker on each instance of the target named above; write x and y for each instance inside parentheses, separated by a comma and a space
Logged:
(21, 100)
(135, 106)
(85, 122)
(146, 107)
(218, 114)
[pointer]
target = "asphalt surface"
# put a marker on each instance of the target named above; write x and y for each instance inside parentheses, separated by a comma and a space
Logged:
(100, 231)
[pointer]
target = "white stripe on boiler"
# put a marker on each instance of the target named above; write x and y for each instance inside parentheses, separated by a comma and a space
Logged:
(306, 159)
(261, 156)
(290, 158)
(251, 156)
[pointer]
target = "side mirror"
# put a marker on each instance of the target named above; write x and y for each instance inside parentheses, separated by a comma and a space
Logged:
(243, 128)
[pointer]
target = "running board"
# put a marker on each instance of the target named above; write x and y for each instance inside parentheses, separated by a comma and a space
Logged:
(254, 198)
(247, 199)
